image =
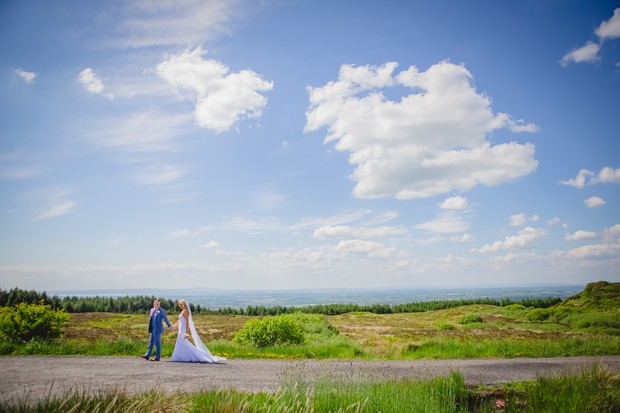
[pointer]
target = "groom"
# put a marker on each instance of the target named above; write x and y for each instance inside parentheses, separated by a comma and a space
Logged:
(156, 329)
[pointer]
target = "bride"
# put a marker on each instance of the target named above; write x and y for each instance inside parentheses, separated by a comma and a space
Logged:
(184, 350)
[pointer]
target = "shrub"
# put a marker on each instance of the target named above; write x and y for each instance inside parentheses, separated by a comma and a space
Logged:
(444, 326)
(538, 315)
(270, 331)
(313, 325)
(515, 307)
(470, 318)
(24, 322)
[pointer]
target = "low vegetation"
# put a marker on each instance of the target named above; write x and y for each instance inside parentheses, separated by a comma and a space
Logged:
(586, 324)
(25, 322)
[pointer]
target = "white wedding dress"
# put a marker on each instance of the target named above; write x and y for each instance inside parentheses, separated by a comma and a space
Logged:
(186, 351)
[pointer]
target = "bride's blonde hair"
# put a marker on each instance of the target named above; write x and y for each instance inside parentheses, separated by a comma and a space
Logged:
(185, 305)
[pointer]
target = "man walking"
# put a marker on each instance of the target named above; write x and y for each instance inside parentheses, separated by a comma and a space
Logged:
(156, 329)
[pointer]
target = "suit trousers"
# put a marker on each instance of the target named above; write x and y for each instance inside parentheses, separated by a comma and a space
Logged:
(155, 341)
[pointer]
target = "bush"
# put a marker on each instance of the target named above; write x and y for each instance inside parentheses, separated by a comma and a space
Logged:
(444, 326)
(538, 315)
(24, 322)
(314, 326)
(270, 331)
(470, 318)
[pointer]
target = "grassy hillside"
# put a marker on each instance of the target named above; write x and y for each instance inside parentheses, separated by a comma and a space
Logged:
(601, 295)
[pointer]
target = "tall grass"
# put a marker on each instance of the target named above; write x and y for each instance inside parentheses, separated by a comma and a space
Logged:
(106, 402)
(446, 348)
(448, 394)
(594, 390)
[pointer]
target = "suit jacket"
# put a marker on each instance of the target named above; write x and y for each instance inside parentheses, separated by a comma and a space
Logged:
(156, 321)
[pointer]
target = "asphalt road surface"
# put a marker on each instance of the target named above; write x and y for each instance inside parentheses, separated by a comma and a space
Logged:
(31, 378)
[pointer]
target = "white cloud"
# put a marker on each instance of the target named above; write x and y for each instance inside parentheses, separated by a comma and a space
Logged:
(580, 180)
(580, 235)
(606, 175)
(345, 231)
(447, 223)
(210, 245)
(455, 202)
(594, 201)
(222, 98)
(525, 239)
(465, 238)
(92, 83)
(610, 29)
(364, 248)
(430, 142)
(554, 221)
(589, 53)
(520, 219)
(180, 22)
(28, 77)
(613, 232)
(586, 53)
(595, 251)
(522, 257)
(517, 220)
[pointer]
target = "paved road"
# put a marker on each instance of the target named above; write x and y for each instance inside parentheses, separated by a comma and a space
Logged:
(34, 377)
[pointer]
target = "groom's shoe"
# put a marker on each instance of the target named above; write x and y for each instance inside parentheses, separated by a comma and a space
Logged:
(145, 357)
(155, 359)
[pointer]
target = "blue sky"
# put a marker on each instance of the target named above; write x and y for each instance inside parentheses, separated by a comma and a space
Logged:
(302, 144)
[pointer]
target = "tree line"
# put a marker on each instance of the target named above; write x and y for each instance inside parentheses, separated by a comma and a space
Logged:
(141, 304)
(72, 304)
(413, 307)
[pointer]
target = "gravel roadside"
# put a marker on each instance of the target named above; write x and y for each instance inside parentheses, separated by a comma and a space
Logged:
(33, 378)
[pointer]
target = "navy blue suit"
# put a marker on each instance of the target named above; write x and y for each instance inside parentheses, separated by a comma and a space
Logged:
(156, 328)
